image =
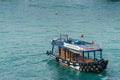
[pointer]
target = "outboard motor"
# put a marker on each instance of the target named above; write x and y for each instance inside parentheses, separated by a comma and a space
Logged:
(47, 52)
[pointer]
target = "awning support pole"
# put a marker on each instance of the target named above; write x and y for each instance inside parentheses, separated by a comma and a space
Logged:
(94, 55)
(83, 56)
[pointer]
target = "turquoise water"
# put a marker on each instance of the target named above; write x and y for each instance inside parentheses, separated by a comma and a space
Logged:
(28, 26)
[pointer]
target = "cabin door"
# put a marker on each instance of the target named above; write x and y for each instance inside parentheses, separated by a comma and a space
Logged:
(64, 54)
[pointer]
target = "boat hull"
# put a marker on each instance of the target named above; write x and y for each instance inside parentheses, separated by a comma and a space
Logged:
(95, 67)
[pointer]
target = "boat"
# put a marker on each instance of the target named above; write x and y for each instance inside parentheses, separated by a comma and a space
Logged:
(78, 54)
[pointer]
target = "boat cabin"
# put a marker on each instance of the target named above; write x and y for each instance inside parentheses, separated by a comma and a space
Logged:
(78, 54)
(74, 50)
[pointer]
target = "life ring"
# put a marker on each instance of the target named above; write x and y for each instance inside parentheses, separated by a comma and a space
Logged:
(83, 69)
(85, 64)
(87, 70)
(89, 66)
(80, 69)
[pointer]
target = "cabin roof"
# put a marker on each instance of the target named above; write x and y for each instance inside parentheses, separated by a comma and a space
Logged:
(76, 44)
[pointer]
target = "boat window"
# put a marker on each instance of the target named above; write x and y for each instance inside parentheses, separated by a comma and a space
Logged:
(75, 55)
(56, 51)
(91, 55)
(97, 54)
(86, 55)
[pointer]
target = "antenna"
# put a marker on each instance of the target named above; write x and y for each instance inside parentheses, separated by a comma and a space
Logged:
(66, 36)
(82, 36)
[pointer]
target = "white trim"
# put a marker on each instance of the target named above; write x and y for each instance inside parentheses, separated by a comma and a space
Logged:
(72, 46)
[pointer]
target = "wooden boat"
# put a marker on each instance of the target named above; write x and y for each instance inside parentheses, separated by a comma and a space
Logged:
(77, 54)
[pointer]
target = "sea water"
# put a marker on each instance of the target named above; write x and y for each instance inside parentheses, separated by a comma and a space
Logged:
(28, 26)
